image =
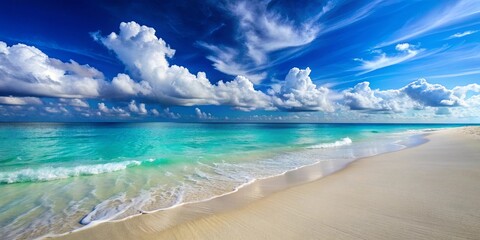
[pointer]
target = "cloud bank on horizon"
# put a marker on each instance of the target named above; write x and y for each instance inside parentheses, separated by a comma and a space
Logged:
(278, 63)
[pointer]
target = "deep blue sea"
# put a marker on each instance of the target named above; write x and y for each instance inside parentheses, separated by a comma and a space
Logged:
(58, 177)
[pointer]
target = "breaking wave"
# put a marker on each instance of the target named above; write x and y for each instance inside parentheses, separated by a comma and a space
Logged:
(343, 142)
(53, 173)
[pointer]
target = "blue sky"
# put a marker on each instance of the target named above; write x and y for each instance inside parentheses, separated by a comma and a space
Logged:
(273, 61)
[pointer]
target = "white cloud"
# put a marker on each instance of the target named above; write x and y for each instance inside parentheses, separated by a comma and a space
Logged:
(462, 34)
(202, 115)
(56, 109)
(407, 53)
(403, 46)
(123, 85)
(169, 114)
(10, 100)
(461, 91)
(241, 94)
(416, 95)
(299, 93)
(155, 112)
(25, 70)
(265, 31)
(75, 102)
(226, 60)
(103, 108)
(114, 111)
(145, 56)
(433, 95)
(474, 101)
(359, 14)
(138, 109)
(362, 97)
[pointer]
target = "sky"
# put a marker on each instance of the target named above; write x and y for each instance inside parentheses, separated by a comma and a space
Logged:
(240, 61)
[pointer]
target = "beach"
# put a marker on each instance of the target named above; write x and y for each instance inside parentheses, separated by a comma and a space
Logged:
(429, 191)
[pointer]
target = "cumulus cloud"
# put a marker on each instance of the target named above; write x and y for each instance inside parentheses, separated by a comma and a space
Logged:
(138, 109)
(25, 70)
(10, 100)
(415, 95)
(433, 95)
(103, 108)
(123, 85)
(461, 91)
(299, 93)
(114, 111)
(241, 94)
(473, 101)
(362, 97)
(145, 56)
(202, 115)
(169, 114)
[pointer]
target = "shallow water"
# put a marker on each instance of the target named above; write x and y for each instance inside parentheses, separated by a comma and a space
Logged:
(55, 178)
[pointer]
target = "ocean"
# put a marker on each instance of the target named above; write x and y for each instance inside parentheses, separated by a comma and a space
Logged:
(60, 177)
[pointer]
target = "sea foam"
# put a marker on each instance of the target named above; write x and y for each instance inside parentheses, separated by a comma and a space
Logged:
(343, 142)
(53, 173)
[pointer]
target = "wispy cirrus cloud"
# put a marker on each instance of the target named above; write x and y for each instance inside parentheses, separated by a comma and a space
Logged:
(405, 51)
(445, 15)
(357, 15)
(457, 74)
(262, 31)
(225, 60)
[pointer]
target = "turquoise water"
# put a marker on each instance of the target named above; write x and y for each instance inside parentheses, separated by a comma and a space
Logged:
(58, 177)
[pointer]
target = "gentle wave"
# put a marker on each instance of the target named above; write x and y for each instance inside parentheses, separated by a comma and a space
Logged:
(343, 142)
(54, 173)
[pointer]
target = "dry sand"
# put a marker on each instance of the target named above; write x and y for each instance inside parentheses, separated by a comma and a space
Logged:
(431, 191)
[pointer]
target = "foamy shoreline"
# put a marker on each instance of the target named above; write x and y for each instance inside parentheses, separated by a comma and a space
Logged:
(218, 205)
